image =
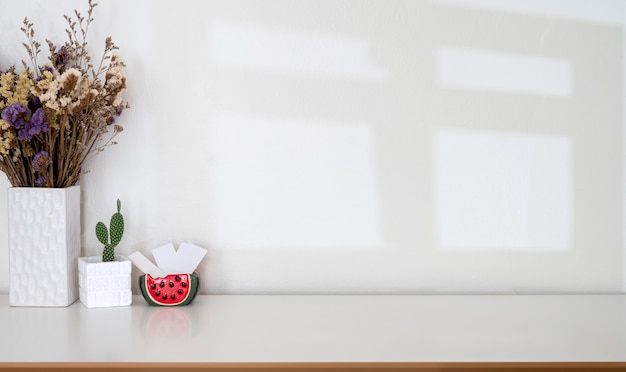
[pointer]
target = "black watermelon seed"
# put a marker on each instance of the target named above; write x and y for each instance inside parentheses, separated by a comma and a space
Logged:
(184, 284)
(165, 297)
(171, 284)
(177, 278)
(173, 296)
(153, 286)
(180, 291)
(162, 284)
(158, 293)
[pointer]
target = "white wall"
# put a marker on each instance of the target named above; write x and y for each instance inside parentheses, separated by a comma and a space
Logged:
(363, 146)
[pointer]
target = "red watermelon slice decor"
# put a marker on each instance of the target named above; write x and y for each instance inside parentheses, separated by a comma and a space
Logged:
(172, 290)
(174, 282)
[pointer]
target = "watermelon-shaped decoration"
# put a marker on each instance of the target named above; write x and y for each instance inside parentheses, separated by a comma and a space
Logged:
(170, 290)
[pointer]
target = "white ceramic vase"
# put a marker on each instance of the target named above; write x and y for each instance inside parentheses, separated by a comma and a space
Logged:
(44, 244)
(104, 284)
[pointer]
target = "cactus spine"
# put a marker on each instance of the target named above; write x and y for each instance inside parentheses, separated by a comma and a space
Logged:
(115, 233)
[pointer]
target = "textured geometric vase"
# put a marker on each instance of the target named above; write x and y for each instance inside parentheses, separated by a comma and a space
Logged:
(104, 284)
(44, 245)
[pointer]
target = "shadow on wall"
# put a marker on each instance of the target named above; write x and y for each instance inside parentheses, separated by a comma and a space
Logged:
(502, 77)
(441, 130)
(374, 146)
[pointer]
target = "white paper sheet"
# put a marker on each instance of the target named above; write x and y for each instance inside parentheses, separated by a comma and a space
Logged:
(146, 265)
(183, 261)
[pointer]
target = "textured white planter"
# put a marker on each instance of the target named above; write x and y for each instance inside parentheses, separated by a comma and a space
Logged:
(44, 244)
(104, 284)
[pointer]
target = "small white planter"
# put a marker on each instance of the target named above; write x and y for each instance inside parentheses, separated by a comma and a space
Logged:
(104, 284)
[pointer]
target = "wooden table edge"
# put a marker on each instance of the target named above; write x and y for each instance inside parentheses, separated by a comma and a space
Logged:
(314, 366)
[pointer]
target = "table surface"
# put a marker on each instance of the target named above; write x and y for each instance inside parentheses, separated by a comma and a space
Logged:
(321, 328)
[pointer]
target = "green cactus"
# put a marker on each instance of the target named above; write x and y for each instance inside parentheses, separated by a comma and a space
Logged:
(116, 232)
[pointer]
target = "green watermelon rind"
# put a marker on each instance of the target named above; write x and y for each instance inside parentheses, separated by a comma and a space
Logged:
(194, 287)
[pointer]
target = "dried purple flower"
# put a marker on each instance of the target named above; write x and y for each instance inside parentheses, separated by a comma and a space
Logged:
(59, 59)
(16, 115)
(34, 104)
(41, 180)
(38, 123)
(118, 112)
(41, 161)
(19, 117)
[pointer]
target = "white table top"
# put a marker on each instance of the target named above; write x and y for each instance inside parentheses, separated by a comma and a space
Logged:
(385, 328)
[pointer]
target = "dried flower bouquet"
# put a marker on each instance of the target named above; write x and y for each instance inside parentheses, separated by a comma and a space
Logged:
(56, 116)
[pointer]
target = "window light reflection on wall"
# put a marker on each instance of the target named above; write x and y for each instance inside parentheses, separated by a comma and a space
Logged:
(250, 47)
(292, 184)
(503, 191)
